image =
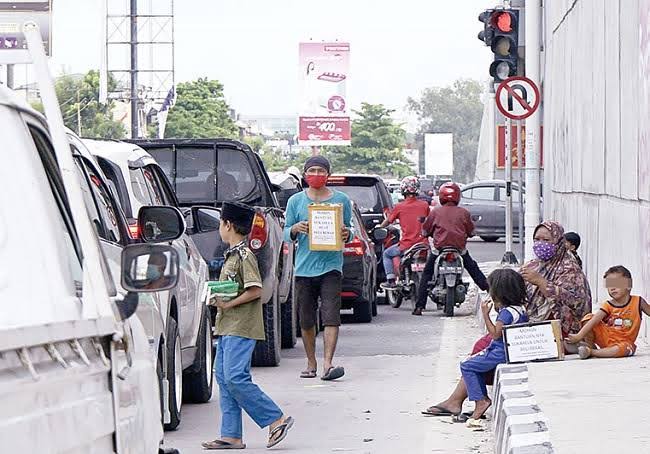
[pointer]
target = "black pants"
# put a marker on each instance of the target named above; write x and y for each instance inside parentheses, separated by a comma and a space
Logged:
(470, 265)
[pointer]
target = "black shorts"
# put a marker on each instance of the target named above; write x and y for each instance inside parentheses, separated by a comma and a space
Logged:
(309, 290)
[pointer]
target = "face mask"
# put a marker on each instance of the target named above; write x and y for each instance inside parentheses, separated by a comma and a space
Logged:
(544, 250)
(316, 181)
(153, 272)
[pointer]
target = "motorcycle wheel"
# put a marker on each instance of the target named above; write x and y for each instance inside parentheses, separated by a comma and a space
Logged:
(394, 298)
(450, 301)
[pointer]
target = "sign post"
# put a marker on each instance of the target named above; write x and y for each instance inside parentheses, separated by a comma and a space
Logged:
(517, 98)
(520, 201)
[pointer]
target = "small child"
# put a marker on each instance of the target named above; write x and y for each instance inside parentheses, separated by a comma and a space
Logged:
(572, 241)
(616, 325)
(508, 291)
(239, 326)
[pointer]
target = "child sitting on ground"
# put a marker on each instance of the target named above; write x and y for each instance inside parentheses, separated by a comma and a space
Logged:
(616, 325)
(508, 291)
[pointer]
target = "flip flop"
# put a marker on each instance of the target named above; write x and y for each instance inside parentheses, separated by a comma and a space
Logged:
(309, 373)
(220, 444)
(464, 417)
(333, 373)
(442, 411)
(282, 429)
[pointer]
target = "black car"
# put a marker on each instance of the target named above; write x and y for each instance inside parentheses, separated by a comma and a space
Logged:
(359, 288)
(207, 172)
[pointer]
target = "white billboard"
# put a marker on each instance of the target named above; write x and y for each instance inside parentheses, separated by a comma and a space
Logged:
(439, 154)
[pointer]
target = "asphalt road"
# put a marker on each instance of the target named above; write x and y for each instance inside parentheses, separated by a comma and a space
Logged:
(490, 252)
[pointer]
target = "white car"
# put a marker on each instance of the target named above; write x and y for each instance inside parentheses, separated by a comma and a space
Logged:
(139, 181)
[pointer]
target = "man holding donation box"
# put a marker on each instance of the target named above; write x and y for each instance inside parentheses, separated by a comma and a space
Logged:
(319, 221)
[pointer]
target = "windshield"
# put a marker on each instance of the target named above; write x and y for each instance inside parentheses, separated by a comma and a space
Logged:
(366, 197)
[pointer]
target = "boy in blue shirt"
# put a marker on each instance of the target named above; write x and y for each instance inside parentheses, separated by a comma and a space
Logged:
(508, 291)
(318, 274)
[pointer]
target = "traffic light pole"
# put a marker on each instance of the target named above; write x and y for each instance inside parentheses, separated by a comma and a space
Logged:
(520, 199)
(509, 257)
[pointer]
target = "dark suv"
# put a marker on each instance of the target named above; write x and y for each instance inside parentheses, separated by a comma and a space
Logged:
(207, 172)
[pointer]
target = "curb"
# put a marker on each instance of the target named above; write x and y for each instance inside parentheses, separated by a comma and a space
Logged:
(520, 426)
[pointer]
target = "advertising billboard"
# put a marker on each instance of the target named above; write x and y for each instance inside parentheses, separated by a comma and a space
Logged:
(323, 113)
(13, 14)
(501, 146)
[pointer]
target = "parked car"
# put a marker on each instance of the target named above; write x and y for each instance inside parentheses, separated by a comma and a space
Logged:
(359, 287)
(486, 201)
(76, 373)
(207, 172)
(139, 181)
(374, 201)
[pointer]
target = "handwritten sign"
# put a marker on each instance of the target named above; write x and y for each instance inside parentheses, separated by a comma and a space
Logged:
(541, 341)
(325, 223)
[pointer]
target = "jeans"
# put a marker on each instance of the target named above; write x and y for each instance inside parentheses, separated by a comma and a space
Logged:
(236, 388)
(475, 367)
(468, 262)
(389, 253)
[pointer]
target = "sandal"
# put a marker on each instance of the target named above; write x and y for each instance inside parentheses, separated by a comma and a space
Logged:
(220, 444)
(309, 373)
(333, 373)
(440, 411)
(280, 433)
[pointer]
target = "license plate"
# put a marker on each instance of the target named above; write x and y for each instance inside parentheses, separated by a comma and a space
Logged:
(417, 267)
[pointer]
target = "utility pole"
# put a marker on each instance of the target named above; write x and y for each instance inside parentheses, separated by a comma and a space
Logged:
(78, 115)
(533, 55)
(135, 133)
(10, 76)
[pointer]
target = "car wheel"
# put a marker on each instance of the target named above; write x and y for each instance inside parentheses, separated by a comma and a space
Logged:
(267, 353)
(289, 321)
(174, 374)
(373, 296)
(490, 239)
(197, 383)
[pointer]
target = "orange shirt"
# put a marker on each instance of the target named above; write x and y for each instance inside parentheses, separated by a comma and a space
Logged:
(623, 323)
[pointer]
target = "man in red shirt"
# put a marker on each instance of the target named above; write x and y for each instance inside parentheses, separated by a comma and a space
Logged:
(410, 213)
(450, 226)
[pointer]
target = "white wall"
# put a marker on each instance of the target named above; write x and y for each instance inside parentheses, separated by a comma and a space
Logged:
(596, 91)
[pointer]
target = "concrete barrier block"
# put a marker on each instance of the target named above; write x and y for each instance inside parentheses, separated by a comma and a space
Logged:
(544, 448)
(502, 422)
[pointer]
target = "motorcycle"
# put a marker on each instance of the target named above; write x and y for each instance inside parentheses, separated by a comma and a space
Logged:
(447, 288)
(410, 269)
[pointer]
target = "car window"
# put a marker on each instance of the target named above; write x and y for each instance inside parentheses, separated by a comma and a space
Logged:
(162, 188)
(152, 186)
(105, 205)
(89, 201)
(116, 182)
(234, 175)
(366, 197)
(483, 193)
(140, 191)
(502, 194)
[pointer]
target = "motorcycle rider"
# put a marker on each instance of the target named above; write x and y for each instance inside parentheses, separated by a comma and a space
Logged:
(410, 213)
(450, 226)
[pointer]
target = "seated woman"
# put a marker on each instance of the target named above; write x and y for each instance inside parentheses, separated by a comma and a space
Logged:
(557, 289)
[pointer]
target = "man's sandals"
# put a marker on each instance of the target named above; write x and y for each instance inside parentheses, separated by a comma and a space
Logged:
(280, 432)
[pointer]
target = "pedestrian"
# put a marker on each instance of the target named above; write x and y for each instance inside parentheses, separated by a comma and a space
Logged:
(318, 274)
(239, 326)
(410, 213)
(615, 326)
(508, 291)
(450, 226)
(572, 240)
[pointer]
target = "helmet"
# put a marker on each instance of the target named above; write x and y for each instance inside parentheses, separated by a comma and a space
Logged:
(410, 185)
(449, 192)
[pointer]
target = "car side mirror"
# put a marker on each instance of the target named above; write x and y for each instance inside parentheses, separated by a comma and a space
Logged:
(160, 224)
(275, 187)
(380, 234)
(206, 219)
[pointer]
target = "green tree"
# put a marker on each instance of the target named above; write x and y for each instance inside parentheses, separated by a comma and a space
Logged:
(255, 142)
(277, 161)
(79, 95)
(376, 146)
(455, 109)
(200, 112)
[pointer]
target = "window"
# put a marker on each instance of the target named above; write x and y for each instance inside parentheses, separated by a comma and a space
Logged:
(152, 186)
(483, 193)
(162, 185)
(106, 206)
(140, 191)
(366, 197)
(89, 201)
(502, 194)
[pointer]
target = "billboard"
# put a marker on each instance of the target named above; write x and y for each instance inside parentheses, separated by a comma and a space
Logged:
(323, 114)
(439, 154)
(501, 146)
(12, 16)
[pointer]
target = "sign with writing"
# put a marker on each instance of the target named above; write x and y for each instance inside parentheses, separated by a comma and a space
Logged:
(325, 225)
(539, 341)
(501, 146)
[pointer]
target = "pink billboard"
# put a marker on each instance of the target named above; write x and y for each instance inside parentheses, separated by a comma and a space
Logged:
(323, 113)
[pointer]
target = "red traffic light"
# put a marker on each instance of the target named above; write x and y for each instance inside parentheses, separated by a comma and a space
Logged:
(503, 21)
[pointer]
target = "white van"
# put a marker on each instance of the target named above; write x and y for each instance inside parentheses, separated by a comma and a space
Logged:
(76, 374)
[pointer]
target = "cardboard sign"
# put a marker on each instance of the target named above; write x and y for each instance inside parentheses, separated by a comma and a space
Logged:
(541, 341)
(325, 223)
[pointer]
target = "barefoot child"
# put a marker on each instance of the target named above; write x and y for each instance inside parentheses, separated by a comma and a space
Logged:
(508, 291)
(239, 326)
(616, 325)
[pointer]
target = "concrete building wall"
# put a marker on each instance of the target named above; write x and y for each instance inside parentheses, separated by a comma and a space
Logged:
(596, 89)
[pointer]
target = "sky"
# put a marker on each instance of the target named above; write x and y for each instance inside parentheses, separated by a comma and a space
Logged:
(398, 48)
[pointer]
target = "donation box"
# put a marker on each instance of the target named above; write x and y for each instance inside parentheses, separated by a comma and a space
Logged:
(325, 224)
(540, 341)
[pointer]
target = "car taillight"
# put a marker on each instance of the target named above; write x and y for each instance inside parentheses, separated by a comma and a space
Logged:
(134, 230)
(336, 180)
(354, 247)
(258, 235)
(450, 257)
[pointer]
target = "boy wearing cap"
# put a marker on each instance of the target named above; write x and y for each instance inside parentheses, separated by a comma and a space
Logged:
(318, 273)
(239, 325)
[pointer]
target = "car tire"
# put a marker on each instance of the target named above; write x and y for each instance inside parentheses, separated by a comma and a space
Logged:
(490, 239)
(174, 374)
(267, 352)
(289, 321)
(197, 383)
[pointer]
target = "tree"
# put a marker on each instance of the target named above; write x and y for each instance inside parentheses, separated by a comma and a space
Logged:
(200, 112)
(376, 146)
(276, 161)
(455, 109)
(79, 95)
